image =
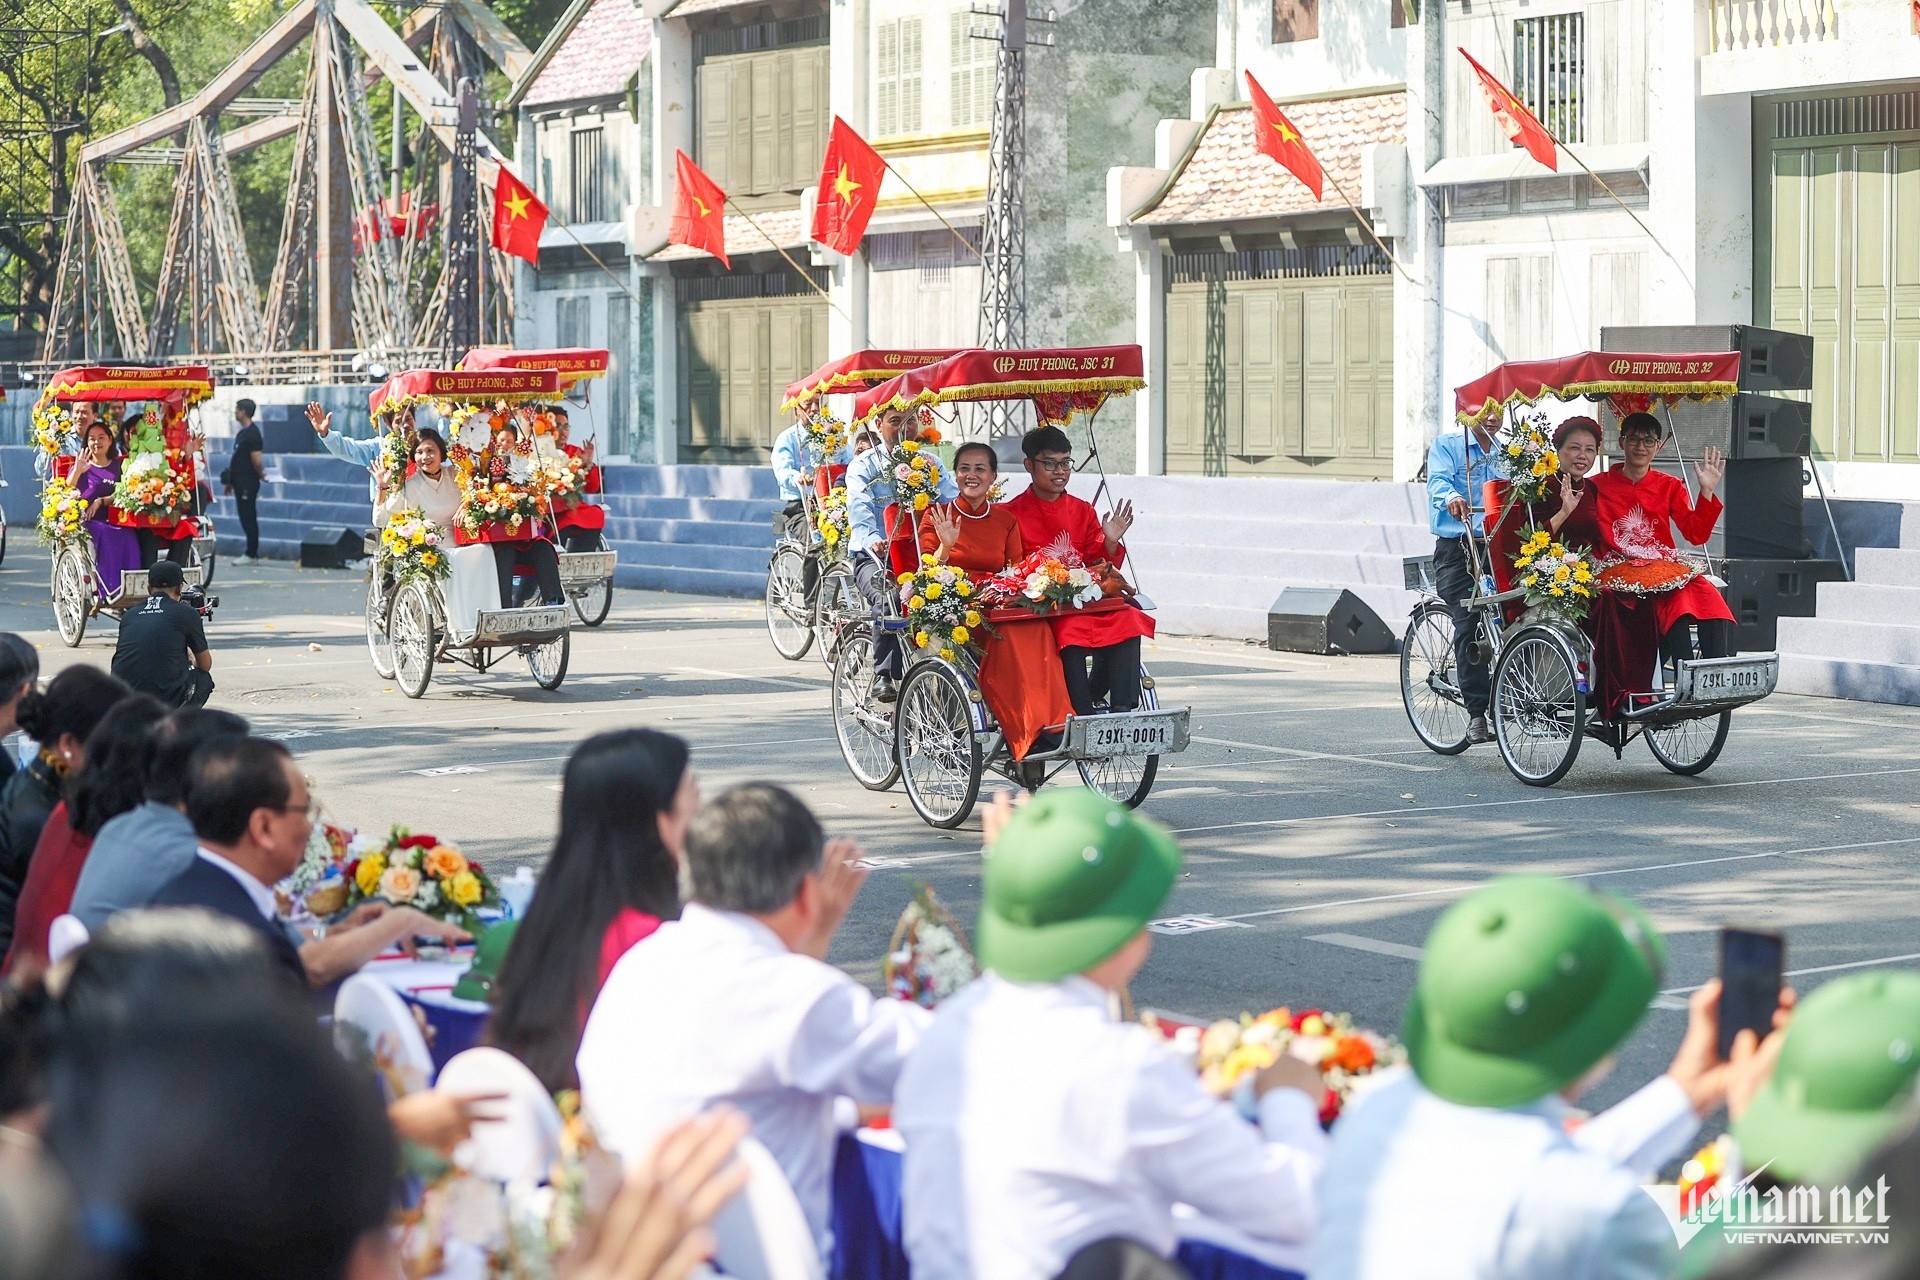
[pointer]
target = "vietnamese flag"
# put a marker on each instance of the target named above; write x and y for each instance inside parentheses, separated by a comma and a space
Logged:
(699, 220)
(849, 189)
(1275, 135)
(1516, 121)
(518, 217)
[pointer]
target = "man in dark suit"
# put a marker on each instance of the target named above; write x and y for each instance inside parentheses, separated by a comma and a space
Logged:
(253, 815)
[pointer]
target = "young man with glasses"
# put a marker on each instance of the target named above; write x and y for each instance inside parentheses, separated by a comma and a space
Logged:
(870, 492)
(1107, 642)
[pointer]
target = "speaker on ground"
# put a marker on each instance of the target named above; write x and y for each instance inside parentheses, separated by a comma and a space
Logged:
(1761, 592)
(331, 548)
(1325, 620)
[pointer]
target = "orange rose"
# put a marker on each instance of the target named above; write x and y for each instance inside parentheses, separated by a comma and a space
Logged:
(1350, 1053)
(443, 862)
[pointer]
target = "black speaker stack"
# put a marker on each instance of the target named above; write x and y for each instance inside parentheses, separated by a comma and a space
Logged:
(1325, 620)
(1761, 541)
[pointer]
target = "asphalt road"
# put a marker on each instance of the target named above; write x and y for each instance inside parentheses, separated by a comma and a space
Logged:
(1321, 838)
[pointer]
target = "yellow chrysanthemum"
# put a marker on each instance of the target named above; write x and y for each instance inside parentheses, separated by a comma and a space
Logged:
(464, 889)
(921, 502)
(973, 617)
(910, 446)
(367, 874)
(963, 590)
(960, 635)
(947, 654)
(933, 591)
(917, 603)
(903, 579)
(927, 558)
(920, 638)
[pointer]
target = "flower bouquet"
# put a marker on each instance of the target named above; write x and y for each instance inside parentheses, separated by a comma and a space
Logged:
(1558, 579)
(62, 512)
(1229, 1052)
(420, 871)
(157, 482)
(825, 435)
(499, 503)
(941, 616)
(53, 428)
(320, 881)
(393, 451)
(411, 545)
(1525, 455)
(557, 478)
(1047, 581)
(832, 521)
(928, 959)
(916, 473)
(1640, 577)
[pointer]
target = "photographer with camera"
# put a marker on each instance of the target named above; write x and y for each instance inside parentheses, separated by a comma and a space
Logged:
(163, 644)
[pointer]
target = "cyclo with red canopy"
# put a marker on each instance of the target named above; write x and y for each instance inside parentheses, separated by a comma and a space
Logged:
(810, 597)
(942, 733)
(157, 492)
(1544, 666)
(587, 560)
(416, 618)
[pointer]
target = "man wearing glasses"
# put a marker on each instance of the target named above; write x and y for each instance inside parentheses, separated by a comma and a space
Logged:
(252, 814)
(870, 492)
(1099, 652)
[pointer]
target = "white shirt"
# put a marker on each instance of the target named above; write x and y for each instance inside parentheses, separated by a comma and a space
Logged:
(1036, 1124)
(1419, 1186)
(438, 499)
(713, 1008)
(262, 896)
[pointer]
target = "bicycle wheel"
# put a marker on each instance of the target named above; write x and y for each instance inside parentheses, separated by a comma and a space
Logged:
(72, 595)
(1539, 714)
(789, 618)
(1688, 747)
(838, 608)
(864, 727)
(379, 620)
(939, 757)
(1428, 687)
(548, 662)
(414, 644)
(1124, 779)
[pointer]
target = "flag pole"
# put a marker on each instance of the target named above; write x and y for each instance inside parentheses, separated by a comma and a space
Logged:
(930, 209)
(1366, 225)
(811, 282)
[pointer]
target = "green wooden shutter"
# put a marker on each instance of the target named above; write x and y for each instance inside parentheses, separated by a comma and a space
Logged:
(1292, 438)
(910, 70)
(807, 117)
(704, 361)
(886, 87)
(1320, 371)
(1905, 275)
(1235, 388)
(1186, 368)
(1870, 300)
(713, 140)
(1260, 372)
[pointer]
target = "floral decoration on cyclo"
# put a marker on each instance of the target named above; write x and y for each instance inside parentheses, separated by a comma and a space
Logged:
(916, 472)
(1230, 1052)
(411, 547)
(62, 512)
(1047, 581)
(832, 522)
(941, 614)
(156, 483)
(1525, 455)
(1558, 579)
(825, 435)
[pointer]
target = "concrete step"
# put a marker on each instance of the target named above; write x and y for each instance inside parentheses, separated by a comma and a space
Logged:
(1850, 641)
(1212, 536)
(748, 560)
(755, 483)
(711, 532)
(710, 582)
(1827, 677)
(1889, 566)
(1868, 602)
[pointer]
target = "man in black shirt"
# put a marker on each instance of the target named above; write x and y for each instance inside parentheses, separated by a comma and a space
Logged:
(244, 472)
(163, 644)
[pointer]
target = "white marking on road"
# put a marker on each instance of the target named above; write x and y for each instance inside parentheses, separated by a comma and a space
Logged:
(1549, 799)
(1583, 875)
(1175, 925)
(446, 771)
(1300, 754)
(1820, 968)
(817, 686)
(1354, 942)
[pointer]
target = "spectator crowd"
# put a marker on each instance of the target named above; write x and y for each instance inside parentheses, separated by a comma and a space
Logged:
(170, 1104)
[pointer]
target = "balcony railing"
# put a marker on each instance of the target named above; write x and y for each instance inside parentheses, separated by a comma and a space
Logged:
(1769, 24)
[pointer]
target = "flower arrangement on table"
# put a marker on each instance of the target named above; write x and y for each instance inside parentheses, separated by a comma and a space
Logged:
(1230, 1052)
(1524, 454)
(156, 484)
(916, 473)
(941, 613)
(62, 512)
(1047, 581)
(928, 958)
(421, 871)
(831, 520)
(53, 428)
(411, 546)
(1558, 579)
(320, 881)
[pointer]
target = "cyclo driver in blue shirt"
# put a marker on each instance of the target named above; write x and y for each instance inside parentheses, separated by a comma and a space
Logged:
(869, 490)
(1457, 465)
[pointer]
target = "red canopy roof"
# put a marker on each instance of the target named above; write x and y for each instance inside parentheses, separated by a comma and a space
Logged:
(1061, 381)
(571, 363)
(861, 371)
(180, 382)
(1618, 375)
(469, 386)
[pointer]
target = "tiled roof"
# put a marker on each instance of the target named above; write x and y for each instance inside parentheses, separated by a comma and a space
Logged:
(598, 58)
(782, 225)
(1226, 180)
(687, 8)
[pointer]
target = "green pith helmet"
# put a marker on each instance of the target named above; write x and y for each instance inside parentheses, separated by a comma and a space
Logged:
(1527, 984)
(1071, 878)
(1844, 1081)
(489, 953)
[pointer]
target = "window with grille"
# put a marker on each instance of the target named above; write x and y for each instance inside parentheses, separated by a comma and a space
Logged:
(587, 155)
(972, 75)
(1549, 68)
(897, 86)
